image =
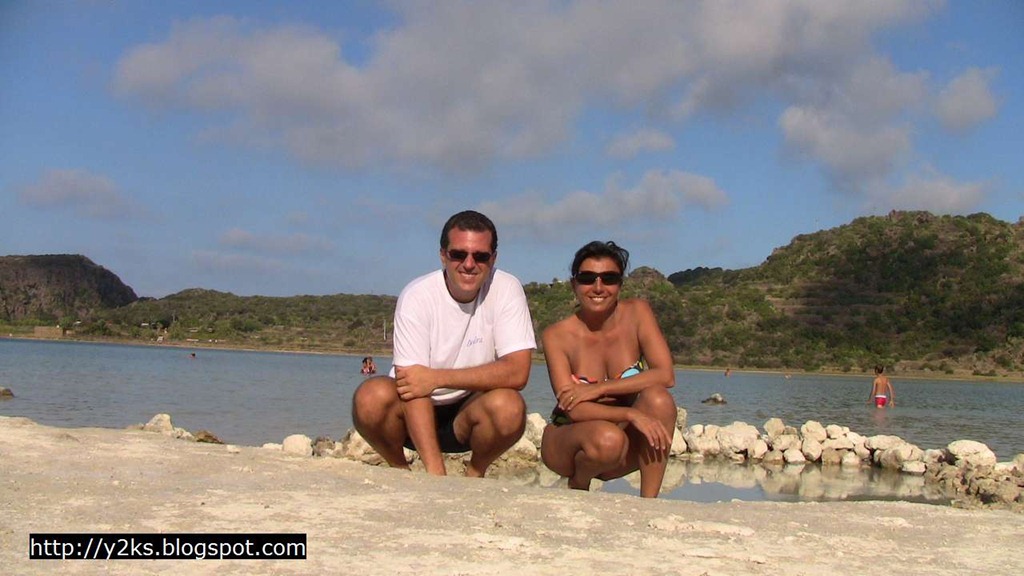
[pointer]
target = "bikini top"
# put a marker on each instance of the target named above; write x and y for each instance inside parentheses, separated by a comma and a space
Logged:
(559, 417)
(633, 370)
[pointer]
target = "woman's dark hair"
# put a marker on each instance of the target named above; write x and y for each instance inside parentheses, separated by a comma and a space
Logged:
(472, 221)
(598, 249)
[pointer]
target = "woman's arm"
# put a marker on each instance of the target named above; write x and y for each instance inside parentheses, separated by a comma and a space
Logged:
(556, 357)
(654, 350)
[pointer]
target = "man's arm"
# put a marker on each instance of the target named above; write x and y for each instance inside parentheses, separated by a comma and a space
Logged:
(510, 371)
(421, 427)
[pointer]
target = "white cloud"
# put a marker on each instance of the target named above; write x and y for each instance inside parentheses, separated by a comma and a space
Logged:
(967, 100)
(935, 192)
(457, 85)
(79, 191)
(635, 143)
(857, 128)
(291, 244)
(853, 155)
(659, 195)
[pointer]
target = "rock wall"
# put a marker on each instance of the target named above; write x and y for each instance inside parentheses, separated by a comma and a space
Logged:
(965, 471)
(52, 287)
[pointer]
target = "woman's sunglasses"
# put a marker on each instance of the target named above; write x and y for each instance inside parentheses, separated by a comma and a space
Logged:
(608, 278)
(478, 257)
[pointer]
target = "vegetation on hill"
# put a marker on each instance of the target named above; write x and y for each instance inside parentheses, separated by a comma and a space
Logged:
(911, 290)
(342, 322)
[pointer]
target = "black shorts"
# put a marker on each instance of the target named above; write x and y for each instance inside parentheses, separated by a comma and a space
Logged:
(444, 424)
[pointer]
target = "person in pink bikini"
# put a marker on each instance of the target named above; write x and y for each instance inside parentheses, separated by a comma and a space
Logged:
(610, 369)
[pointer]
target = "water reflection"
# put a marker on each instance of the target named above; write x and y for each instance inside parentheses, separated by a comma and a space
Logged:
(881, 418)
(723, 481)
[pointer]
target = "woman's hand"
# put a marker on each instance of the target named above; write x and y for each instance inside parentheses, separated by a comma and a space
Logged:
(578, 391)
(655, 432)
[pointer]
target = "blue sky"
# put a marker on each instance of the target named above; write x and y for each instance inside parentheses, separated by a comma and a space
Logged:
(284, 148)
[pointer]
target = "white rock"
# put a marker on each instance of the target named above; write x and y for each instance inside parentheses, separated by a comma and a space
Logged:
(839, 443)
(159, 423)
(836, 431)
(811, 449)
(785, 442)
(774, 427)
(774, 457)
(535, 424)
(298, 444)
(706, 445)
(678, 443)
(794, 456)
(916, 467)
(758, 449)
(737, 438)
(681, 418)
(850, 460)
(971, 452)
(933, 456)
(883, 442)
(813, 430)
(523, 450)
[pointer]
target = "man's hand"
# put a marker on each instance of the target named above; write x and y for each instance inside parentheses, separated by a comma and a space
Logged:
(415, 382)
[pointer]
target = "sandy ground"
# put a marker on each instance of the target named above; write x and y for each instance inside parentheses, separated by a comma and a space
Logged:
(365, 520)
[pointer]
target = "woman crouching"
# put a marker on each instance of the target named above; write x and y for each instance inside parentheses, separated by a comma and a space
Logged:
(610, 370)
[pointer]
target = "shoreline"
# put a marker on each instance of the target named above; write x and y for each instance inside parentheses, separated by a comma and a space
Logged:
(367, 520)
(538, 359)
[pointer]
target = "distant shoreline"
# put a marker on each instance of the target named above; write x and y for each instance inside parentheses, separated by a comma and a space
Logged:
(538, 358)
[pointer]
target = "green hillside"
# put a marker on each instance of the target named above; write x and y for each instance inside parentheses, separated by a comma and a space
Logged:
(911, 290)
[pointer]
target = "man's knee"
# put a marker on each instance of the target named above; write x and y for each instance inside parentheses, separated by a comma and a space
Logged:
(506, 410)
(373, 399)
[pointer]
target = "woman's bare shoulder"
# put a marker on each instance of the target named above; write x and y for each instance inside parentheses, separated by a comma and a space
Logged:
(562, 327)
(636, 306)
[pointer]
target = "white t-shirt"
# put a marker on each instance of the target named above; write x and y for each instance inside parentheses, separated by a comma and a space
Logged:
(433, 330)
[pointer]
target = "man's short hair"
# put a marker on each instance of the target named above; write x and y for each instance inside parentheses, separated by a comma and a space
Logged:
(472, 221)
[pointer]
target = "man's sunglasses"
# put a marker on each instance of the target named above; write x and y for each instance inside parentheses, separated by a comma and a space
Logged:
(478, 257)
(608, 278)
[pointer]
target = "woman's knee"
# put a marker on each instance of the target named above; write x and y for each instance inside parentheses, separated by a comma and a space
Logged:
(606, 443)
(656, 401)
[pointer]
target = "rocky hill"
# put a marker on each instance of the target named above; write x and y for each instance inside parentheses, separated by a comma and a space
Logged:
(51, 288)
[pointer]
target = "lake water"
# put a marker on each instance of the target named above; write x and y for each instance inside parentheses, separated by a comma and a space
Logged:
(251, 398)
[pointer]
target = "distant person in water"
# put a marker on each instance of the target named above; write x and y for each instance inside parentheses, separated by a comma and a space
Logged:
(369, 367)
(882, 392)
(610, 370)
